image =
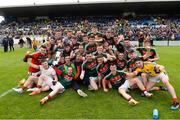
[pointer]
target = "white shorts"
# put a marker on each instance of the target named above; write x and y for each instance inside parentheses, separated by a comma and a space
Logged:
(49, 82)
(36, 74)
(158, 78)
(125, 85)
(57, 87)
(93, 78)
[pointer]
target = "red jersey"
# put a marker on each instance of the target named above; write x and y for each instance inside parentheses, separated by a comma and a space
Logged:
(36, 59)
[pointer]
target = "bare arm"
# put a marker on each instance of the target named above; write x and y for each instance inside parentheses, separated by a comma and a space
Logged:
(159, 68)
(111, 57)
(33, 65)
(131, 74)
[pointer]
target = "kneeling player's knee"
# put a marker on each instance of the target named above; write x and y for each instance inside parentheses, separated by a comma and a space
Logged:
(143, 75)
(167, 84)
(135, 81)
(42, 76)
(96, 88)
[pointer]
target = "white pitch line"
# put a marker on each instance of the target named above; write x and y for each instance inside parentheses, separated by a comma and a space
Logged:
(5, 93)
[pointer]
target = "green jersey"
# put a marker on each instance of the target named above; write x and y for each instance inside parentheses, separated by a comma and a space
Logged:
(66, 81)
(116, 80)
(90, 67)
(131, 66)
(64, 68)
(103, 69)
(143, 51)
(121, 64)
(90, 48)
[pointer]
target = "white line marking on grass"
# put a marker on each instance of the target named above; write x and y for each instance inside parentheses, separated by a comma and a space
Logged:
(5, 93)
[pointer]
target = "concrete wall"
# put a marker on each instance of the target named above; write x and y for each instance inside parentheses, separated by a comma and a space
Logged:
(162, 43)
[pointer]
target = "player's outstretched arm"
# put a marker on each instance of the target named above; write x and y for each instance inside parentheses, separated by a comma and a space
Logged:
(131, 74)
(33, 65)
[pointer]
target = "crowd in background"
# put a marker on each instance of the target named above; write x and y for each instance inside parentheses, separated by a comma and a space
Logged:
(157, 27)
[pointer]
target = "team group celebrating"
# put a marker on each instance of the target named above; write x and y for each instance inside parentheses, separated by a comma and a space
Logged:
(96, 60)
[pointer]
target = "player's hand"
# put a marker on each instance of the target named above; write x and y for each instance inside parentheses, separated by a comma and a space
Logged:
(110, 47)
(82, 75)
(151, 60)
(27, 53)
(76, 51)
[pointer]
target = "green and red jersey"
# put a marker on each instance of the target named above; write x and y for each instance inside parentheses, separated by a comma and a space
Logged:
(103, 69)
(66, 81)
(131, 64)
(121, 64)
(90, 48)
(64, 70)
(90, 67)
(78, 64)
(143, 51)
(116, 80)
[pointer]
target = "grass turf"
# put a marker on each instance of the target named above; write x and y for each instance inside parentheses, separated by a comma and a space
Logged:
(98, 105)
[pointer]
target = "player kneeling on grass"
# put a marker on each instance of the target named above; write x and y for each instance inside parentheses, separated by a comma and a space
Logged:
(156, 73)
(52, 84)
(45, 69)
(57, 87)
(28, 84)
(89, 73)
(47, 79)
(119, 81)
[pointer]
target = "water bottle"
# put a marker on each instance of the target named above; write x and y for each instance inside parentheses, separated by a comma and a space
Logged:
(155, 114)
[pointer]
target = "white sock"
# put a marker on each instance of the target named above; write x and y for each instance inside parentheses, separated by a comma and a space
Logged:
(145, 92)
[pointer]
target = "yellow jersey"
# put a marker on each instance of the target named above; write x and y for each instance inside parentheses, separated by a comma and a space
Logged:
(148, 68)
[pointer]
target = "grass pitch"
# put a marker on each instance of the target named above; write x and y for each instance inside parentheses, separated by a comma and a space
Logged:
(98, 105)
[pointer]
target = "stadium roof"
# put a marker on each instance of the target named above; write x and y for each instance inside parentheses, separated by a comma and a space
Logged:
(168, 7)
(23, 3)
